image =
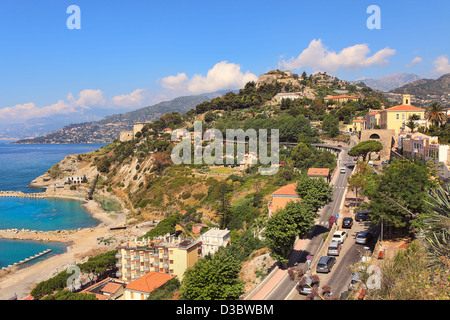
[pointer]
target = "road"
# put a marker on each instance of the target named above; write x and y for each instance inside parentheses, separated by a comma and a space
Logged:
(285, 286)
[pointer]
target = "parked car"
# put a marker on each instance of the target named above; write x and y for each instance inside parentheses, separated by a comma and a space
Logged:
(339, 236)
(347, 222)
(334, 248)
(363, 237)
(362, 215)
(325, 264)
(307, 287)
(343, 169)
(339, 145)
(355, 159)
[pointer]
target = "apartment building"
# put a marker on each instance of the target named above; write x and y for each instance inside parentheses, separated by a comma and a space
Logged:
(419, 145)
(168, 254)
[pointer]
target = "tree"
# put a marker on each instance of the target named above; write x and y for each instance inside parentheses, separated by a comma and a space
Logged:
(280, 235)
(399, 196)
(364, 148)
(316, 192)
(412, 125)
(303, 214)
(357, 182)
(213, 278)
(435, 114)
(330, 124)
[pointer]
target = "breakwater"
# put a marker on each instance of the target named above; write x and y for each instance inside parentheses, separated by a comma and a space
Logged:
(20, 194)
(28, 259)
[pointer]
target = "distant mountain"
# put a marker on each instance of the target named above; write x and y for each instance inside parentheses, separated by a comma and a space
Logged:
(428, 88)
(390, 82)
(108, 128)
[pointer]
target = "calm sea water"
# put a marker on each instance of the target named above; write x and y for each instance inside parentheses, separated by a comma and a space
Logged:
(19, 165)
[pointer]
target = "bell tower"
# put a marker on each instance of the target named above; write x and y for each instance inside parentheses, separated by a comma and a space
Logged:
(406, 99)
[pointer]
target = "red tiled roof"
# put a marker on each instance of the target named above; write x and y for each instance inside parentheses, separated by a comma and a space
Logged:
(318, 172)
(287, 190)
(404, 107)
(111, 287)
(341, 96)
(149, 282)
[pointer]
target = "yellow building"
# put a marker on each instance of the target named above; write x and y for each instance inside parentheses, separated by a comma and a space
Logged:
(341, 98)
(163, 254)
(395, 117)
(355, 126)
(141, 288)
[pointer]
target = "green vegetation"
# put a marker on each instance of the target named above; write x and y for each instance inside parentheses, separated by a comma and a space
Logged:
(94, 266)
(166, 225)
(166, 291)
(67, 295)
(364, 148)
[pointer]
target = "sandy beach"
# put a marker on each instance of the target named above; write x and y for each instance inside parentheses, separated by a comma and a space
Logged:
(83, 243)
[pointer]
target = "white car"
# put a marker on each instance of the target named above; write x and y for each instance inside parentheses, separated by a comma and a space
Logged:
(339, 236)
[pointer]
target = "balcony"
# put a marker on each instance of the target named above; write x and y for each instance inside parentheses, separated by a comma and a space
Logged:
(118, 265)
(166, 256)
(127, 257)
(136, 259)
(127, 266)
(118, 274)
(146, 260)
(118, 255)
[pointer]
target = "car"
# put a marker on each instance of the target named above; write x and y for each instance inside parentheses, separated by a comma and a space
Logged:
(363, 237)
(339, 145)
(343, 169)
(347, 222)
(308, 286)
(355, 159)
(339, 236)
(362, 215)
(325, 264)
(334, 248)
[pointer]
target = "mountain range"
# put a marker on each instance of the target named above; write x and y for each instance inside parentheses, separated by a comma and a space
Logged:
(390, 82)
(426, 88)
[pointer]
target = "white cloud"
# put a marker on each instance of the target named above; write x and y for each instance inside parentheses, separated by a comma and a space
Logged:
(87, 98)
(318, 58)
(222, 75)
(441, 66)
(23, 112)
(131, 100)
(416, 60)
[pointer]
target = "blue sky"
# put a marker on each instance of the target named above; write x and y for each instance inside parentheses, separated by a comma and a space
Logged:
(129, 54)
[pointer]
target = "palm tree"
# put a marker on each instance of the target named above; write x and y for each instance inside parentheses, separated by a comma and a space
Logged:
(411, 125)
(435, 113)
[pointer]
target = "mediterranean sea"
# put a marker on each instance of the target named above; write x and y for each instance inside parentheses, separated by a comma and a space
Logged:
(19, 165)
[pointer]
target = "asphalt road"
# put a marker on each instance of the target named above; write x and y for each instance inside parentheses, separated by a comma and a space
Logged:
(285, 286)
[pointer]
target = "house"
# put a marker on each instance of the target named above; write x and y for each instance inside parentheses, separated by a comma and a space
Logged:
(287, 95)
(282, 196)
(355, 126)
(74, 179)
(167, 130)
(341, 98)
(419, 145)
(319, 173)
(213, 239)
(141, 288)
(372, 120)
(167, 254)
(394, 118)
(107, 289)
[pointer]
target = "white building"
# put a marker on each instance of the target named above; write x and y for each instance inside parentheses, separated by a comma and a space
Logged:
(213, 239)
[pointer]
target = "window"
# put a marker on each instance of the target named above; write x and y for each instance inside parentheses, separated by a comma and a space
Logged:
(403, 116)
(398, 116)
(132, 295)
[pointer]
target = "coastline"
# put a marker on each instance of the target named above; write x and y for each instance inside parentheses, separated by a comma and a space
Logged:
(81, 243)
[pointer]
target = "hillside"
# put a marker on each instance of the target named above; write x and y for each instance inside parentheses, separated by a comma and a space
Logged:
(428, 90)
(108, 129)
(390, 82)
